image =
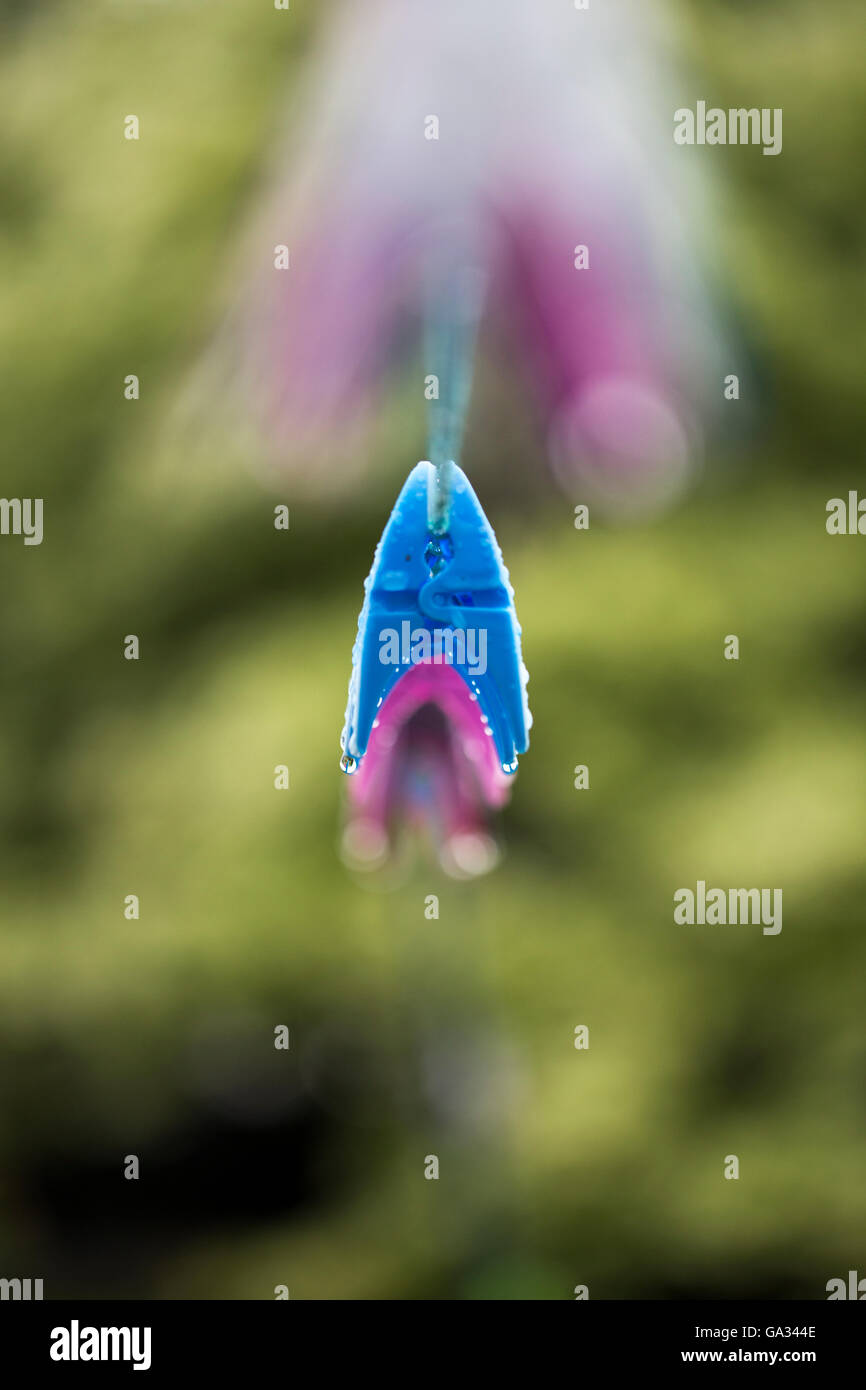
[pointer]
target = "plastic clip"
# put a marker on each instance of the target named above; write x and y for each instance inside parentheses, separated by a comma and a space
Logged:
(439, 599)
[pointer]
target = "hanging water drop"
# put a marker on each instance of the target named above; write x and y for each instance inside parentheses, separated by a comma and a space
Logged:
(438, 553)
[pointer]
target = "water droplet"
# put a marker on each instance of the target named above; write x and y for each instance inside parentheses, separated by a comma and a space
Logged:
(438, 553)
(348, 764)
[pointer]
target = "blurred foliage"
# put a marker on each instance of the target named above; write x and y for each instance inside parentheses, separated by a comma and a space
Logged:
(412, 1037)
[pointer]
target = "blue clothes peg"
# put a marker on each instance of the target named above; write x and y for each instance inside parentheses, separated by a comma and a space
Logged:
(448, 577)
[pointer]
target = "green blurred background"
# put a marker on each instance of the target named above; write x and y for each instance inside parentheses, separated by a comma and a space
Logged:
(412, 1037)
